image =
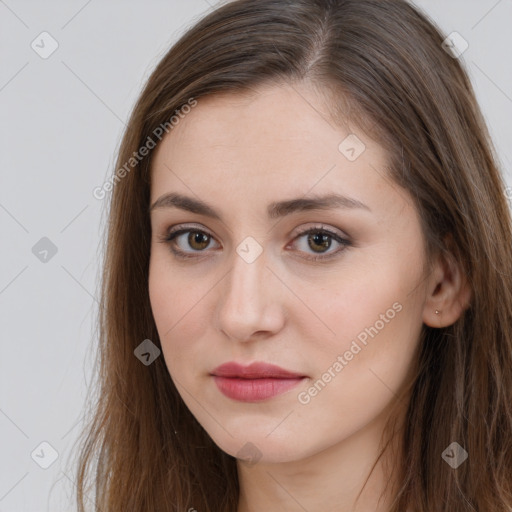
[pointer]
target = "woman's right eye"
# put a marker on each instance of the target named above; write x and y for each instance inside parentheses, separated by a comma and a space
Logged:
(182, 240)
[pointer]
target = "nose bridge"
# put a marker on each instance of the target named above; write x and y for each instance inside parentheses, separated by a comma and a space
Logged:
(246, 306)
(245, 285)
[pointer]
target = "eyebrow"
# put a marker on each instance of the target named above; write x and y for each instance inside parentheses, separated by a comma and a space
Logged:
(274, 210)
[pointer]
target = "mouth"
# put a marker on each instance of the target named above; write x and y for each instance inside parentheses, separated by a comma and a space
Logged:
(256, 382)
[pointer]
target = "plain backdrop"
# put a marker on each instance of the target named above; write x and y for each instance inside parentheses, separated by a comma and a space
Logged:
(62, 120)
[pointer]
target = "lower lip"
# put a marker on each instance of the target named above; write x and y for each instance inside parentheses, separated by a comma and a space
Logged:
(254, 390)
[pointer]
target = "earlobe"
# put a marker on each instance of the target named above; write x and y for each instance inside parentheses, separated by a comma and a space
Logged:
(448, 294)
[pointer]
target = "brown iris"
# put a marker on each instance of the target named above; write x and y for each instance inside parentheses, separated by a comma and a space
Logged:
(319, 239)
(201, 239)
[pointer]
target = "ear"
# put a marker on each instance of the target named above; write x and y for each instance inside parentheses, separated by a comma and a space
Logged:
(448, 289)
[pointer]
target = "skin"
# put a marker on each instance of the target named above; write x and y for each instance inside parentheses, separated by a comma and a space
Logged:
(240, 152)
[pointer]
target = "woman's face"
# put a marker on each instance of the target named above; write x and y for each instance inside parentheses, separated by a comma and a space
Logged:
(245, 286)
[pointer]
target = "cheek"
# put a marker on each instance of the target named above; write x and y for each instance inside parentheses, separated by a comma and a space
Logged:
(358, 373)
(177, 304)
(376, 322)
(366, 324)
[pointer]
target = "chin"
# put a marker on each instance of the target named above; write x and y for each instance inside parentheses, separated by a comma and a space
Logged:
(258, 447)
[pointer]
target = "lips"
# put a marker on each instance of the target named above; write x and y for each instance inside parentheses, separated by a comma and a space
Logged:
(253, 383)
(254, 371)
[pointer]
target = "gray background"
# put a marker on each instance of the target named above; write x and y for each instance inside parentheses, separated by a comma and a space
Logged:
(62, 120)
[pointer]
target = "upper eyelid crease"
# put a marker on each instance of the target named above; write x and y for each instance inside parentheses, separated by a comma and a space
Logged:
(274, 210)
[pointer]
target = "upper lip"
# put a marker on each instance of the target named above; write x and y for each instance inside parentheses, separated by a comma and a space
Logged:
(257, 370)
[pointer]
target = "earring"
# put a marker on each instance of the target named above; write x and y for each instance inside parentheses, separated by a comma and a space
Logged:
(437, 312)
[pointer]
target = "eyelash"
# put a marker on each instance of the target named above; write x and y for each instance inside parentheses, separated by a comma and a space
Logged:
(171, 235)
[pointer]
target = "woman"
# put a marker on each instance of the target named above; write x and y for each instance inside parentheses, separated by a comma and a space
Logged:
(307, 290)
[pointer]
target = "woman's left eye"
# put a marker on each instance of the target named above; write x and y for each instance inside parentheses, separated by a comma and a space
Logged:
(318, 239)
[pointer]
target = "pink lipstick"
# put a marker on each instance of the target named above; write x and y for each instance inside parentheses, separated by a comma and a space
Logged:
(253, 383)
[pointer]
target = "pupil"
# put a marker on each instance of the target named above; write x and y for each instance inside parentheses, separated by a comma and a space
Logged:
(320, 239)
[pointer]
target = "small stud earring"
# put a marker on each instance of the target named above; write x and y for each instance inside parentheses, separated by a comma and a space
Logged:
(437, 312)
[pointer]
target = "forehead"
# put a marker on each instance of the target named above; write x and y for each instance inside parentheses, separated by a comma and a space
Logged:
(261, 131)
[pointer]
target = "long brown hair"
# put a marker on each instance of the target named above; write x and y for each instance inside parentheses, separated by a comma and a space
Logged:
(384, 59)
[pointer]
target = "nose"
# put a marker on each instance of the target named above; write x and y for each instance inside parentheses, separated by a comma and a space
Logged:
(250, 304)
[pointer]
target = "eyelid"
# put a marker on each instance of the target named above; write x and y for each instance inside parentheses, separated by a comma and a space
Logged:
(335, 232)
(187, 227)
